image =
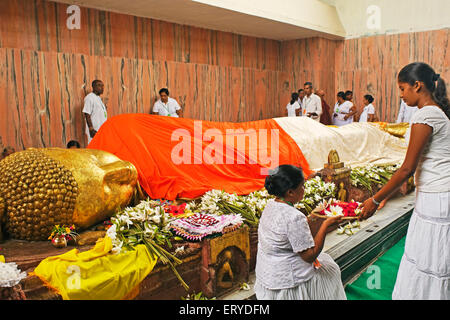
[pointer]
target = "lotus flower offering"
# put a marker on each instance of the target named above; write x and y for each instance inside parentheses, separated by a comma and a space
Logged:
(334, 208)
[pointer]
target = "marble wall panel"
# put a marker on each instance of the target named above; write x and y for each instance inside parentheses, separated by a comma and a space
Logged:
(371, 65)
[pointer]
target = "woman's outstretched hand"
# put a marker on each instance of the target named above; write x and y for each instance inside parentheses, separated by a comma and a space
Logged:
(368, 209)
(333, 220)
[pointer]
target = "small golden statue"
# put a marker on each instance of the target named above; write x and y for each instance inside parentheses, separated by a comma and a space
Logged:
(225, 275)
(342, 194)
(334, 161)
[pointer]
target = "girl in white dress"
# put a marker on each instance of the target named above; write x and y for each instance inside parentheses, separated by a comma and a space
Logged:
(289, 262)
(293, 106)
(368, 113)
(424, 271)
(343, 111)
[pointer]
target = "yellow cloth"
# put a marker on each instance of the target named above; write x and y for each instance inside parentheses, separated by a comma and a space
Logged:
(396, 129)
(96, 274)
(2, 259)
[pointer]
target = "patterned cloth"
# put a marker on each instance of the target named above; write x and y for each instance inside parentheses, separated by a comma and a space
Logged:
(200, 225)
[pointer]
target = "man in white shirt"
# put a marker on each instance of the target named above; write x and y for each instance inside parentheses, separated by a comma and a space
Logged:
(166, 106)
(405, 113)
(311, 103)
(94, 110)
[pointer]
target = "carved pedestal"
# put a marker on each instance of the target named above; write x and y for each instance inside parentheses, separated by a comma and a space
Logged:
(335, 171)
(225, 262)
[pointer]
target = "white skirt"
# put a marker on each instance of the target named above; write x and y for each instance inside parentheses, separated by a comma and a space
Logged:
(326, 284)
(424, 272)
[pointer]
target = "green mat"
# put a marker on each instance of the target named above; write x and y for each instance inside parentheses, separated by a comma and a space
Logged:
(377, 282)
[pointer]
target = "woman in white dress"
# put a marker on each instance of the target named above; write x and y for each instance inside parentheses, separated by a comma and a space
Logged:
(424, 271)
(293, 106)
(343, 111)
(289, 262)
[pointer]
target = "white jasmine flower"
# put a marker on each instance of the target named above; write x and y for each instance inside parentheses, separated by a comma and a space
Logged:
(10, 274)
(334, 211)
(112, 232)
(179, 250)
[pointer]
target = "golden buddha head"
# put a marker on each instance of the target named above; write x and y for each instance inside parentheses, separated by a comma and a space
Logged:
(40, 188)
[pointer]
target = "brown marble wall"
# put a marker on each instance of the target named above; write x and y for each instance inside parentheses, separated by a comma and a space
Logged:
(365, 65)
(310, 60)
(46, 69)
(371, 64)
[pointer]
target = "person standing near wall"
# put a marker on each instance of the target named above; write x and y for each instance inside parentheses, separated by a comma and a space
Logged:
(94, 109)
(301, 95)
(368, 113)
(73, 144)
(424, 271)
(325, 118)
(166, 106)
(6, 152)
(293, 106)
(343, 110)
(312, 103)
(405, 113)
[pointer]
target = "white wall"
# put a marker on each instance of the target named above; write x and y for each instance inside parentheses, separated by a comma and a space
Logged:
(311, 14)
(395, 16)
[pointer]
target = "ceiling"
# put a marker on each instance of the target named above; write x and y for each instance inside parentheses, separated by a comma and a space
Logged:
(206, 15)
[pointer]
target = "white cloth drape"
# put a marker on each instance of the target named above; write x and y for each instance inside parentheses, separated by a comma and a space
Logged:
(356, 143)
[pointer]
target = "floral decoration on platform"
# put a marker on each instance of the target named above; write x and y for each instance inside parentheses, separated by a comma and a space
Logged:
(334, 208)
(10, 274)
(349, 229)
(219, 202)
(372, 175)
(316, 191)
(148, 224)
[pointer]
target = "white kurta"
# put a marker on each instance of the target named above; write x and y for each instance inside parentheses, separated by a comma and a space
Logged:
(312, 104)
(93, 106)
(167, 109)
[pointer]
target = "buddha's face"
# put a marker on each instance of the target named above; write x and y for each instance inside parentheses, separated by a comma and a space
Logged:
(40, 188)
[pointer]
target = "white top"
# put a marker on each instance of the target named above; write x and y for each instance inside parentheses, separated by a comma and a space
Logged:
(313, 104)
(93, 106)
(405, 113)
(433, 170)
(292, 108)
(369, 109)
(167, 109)
(341, 110)
(283, 232)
